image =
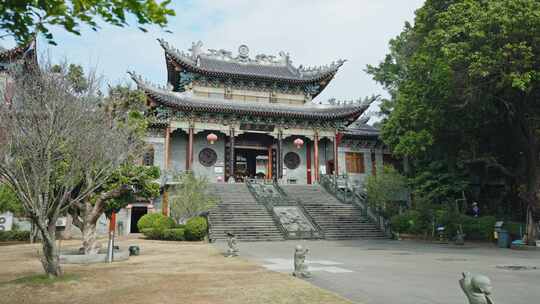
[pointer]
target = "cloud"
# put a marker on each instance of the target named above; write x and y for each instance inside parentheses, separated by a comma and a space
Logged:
(314, 32)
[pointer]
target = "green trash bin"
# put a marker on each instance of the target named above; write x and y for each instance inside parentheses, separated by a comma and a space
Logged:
(504, 239)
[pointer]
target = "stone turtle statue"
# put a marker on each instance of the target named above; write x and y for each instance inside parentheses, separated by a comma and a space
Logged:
(477, 288)
(300, 265)
(233, 247)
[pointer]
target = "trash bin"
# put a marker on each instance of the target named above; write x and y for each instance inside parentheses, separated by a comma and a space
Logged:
(504, 239)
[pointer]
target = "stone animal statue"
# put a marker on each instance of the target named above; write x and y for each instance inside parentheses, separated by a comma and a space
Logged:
(300, 266)
(477, 288)
(231, 242)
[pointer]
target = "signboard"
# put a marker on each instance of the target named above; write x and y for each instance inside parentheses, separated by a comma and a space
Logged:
(257, 127)
(6, 221)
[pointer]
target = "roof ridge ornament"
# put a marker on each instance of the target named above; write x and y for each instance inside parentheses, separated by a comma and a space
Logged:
(141, 82)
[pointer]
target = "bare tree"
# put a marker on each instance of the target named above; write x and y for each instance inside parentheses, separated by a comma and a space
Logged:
(58, 147)
(190, 196)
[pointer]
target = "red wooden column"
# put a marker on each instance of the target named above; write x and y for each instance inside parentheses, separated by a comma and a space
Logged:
(269, 165)
(189, 158)
(308, 161)
(167, 152)
(316, 155)
(337, 139)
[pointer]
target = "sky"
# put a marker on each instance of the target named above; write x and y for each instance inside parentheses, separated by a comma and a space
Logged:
(313, 32)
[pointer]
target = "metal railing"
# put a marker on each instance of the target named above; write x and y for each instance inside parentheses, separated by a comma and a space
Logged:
(340, 188)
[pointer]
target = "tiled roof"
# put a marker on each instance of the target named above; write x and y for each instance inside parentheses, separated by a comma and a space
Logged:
(221, 63)
(361, 129)
(18, 52)
(184, 102)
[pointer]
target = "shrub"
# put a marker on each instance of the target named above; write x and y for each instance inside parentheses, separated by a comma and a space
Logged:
(478, 228)
(407, 222)
(14, 235)
(151, 233)
(196, 228)
(155, 221)
(175, 234)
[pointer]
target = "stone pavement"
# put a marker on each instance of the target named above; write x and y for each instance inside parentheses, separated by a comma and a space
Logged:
(405, 272)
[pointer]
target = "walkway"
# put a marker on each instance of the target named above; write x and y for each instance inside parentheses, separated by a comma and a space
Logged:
(405, 272)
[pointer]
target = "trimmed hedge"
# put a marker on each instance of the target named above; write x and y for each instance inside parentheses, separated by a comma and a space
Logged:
(174, 234)
(474, 228)
(196, 228)
(14, 235)
(155, 221)
(151, 233)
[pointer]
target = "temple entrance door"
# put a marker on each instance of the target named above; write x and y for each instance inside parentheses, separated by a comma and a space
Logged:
(251, 163)
(136, 214)
(254, 156)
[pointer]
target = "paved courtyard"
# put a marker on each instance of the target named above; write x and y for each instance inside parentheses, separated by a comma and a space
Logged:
(405, 272)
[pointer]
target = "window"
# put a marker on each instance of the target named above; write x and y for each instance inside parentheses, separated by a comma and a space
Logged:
(355, 162)
(148, 157)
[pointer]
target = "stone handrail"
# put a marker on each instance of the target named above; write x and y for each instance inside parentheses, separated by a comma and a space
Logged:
(355, 197)
(301, 207)
(267, 204)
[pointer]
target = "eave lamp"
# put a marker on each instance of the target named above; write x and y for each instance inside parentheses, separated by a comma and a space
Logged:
(212, 138)
(298, 143)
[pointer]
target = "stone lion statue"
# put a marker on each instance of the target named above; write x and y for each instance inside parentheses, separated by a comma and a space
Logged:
(477, 288)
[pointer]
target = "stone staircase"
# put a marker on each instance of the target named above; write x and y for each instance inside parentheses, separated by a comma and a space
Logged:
(337, 220)
(239, 213)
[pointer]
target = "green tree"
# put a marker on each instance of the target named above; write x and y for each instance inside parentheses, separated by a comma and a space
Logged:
(9, 201)
(124, 108)
(22, 18)
(386, 190)
(128, 183)
(465, 86)
(190, 196)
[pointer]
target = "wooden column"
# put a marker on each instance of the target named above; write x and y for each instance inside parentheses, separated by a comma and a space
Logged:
(189, 164)
(167, 150)
(167, 160)
(269, 171)
(308, 161)
(279, 155)
(231, 151)
(316, 156)
(336, 154)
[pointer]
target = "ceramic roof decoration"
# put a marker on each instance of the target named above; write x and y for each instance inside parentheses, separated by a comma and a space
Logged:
(267, 68)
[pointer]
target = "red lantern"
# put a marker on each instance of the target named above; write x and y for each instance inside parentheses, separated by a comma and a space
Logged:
(298, 143)
(212, 138)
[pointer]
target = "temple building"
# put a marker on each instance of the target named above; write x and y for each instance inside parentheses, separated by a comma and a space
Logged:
(236, 117)
(24, 55)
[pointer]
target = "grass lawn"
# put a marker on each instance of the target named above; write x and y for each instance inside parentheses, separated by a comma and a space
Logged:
(165, 272)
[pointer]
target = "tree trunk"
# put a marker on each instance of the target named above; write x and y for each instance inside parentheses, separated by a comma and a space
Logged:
(50, 259)
(532, 230)
(533, 190)
(90, 244)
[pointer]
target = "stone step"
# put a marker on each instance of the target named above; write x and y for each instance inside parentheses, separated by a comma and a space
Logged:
(337, 220)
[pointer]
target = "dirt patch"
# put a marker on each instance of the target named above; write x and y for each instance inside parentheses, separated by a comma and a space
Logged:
(165, 272)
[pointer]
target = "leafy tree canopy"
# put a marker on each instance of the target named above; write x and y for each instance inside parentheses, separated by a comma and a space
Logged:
(9, 201)
(23, 18)
(464, 82)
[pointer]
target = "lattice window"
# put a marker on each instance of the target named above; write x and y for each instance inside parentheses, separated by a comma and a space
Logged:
(148, 157)
(355, 162)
